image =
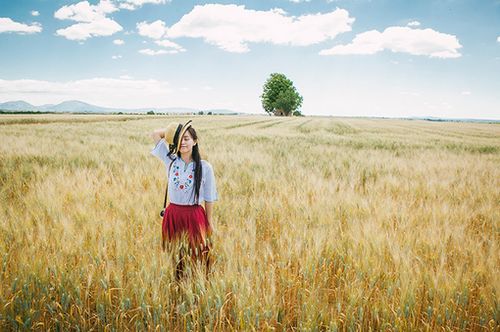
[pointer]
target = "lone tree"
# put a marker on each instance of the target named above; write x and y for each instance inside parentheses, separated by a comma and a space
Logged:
(280, 96)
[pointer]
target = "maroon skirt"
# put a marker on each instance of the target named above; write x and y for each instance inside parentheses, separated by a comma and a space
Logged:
(186, 220)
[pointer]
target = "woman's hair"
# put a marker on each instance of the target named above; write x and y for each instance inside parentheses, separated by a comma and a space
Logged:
(197, 163)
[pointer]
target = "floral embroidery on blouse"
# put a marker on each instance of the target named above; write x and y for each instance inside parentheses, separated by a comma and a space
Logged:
(181, 181)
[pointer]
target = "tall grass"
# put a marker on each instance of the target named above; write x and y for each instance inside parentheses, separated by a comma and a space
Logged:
(322, 224)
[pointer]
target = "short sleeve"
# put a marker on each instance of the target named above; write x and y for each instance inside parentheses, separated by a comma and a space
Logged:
(209, 187)
(160, 151)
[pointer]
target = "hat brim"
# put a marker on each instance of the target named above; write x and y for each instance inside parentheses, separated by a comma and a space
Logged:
(181, 134)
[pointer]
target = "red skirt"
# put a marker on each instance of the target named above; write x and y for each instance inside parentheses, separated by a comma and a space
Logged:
(187, 220)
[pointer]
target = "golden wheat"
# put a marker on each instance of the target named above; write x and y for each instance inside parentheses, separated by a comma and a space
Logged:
(322, 224)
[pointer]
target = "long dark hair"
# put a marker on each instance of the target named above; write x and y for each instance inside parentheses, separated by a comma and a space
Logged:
(197, 163)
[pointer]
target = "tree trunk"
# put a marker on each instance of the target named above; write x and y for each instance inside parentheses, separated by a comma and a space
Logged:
(282, 112)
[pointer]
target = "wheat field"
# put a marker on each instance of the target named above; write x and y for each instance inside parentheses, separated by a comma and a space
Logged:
(322, 224)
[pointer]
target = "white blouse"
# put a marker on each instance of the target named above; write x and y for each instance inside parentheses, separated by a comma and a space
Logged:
(181, 178)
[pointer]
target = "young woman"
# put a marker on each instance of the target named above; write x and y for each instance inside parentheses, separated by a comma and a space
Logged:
(191, 182)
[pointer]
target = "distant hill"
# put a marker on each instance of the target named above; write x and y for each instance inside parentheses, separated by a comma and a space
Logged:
(72, 106)
(18, 105)
(76, 106)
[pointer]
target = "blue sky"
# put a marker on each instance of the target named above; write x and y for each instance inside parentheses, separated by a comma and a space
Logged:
(347, 58)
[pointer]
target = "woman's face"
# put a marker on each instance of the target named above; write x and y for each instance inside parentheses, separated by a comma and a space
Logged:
(187, 143)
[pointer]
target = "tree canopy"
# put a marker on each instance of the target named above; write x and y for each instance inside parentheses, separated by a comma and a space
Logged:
(280, 96)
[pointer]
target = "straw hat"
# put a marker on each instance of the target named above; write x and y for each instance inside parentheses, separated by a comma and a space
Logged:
(174, 133)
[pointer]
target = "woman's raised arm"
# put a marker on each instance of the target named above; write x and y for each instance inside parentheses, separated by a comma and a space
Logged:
(158, 134)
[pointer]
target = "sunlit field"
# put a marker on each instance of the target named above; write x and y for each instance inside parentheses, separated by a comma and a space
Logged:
(322, 224)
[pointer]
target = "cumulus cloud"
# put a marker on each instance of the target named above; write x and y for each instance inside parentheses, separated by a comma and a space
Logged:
(8, 25)
(118, 42)
(414, 24)
(92, 20)
(83, 31)
(155, 30)
(401, 39)
(34, 13)
(134, 4)
(498, 39)
(232, 27)
(148, 51)
(170, 45)
(85, 12)
(108, 92)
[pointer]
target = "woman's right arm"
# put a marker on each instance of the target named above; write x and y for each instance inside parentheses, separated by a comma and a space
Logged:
(161, 148)
(158, 134)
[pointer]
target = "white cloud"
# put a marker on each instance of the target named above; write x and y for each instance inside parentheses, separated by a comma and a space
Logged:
(134, 4)
(466, 93)
(108, 92)
(414, 24)
(92, 20)
(299, 1)
(85, 12)
(498, 39)
(149, 51)
(154, 30)
(232, 27)
(401, 39)
(126, 77)
(83, 31)
(169, 44)
(116, 57)
(34, 13)
(8, 25)
(118, 42)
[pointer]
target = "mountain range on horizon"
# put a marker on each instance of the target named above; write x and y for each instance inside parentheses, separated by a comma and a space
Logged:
(76, 106)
